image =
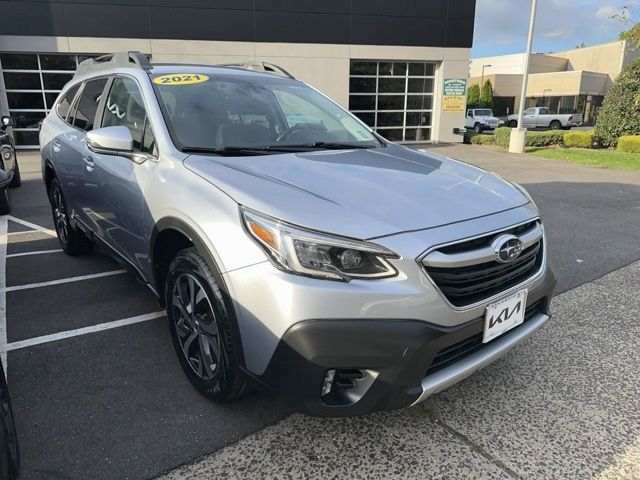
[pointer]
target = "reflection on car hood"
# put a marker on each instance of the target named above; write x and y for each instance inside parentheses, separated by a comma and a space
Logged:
(360, 193)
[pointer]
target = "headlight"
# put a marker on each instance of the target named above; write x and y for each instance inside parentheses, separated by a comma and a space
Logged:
(305, 252)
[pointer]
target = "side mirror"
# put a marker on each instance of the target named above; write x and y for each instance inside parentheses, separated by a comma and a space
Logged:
(8, 121)
(110, 140)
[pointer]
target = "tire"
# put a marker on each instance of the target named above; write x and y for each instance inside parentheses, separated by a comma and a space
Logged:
(477, 128)
(71, 239)
(17, 179)
(5, 201)
(9, 449)
(513, 123)
(202, 328)
(555, 125)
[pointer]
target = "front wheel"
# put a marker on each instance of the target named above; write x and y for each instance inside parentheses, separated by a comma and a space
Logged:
(202, 328)
(513, 123)
(72, 240)
(477, 128)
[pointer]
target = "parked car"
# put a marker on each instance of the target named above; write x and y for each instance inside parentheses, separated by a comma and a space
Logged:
(539, 117)
(9, 449)
(481, 119)
(294, 249)
(9, 169)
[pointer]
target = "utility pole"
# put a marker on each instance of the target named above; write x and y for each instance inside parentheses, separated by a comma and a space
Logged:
(518, 137)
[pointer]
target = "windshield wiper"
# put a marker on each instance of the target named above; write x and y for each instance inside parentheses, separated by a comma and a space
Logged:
(317, 145)
(228, 151)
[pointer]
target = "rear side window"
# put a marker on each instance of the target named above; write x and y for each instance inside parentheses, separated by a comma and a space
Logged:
(65, 102)
(125, 108)
(87, 105)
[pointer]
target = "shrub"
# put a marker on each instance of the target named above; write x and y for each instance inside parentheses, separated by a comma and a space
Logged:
(620, 112)
(579, 139)
(534, 139)
(502, 136)
(483, 140)
(629, 144)
(544, 139)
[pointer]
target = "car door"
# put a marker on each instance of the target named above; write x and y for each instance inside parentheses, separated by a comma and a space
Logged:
(530, 116)
(122, 215)
(71, 155)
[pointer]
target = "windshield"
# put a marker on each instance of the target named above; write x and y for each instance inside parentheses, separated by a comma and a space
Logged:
(484, 113)
(219, 112)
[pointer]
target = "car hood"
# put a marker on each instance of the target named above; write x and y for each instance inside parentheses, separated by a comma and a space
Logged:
(360, 193)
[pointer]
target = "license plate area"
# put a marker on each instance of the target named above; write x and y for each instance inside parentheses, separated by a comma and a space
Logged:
(505, 314)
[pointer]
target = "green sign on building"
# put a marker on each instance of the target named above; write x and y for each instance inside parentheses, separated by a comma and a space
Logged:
(455, 86)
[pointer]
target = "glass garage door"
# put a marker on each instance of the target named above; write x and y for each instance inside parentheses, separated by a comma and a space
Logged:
(395, 98)
(32, 83)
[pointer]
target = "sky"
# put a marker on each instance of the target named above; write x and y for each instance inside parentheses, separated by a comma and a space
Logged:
(501, 25)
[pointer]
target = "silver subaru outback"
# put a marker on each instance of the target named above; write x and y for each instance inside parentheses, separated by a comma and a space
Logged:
(295, 250)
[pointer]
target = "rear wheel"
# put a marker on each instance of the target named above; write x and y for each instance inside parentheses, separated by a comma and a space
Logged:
(17, 179)
(72, 240)
(5, 201)
(555, 125)
(513, 123)
(202, 328)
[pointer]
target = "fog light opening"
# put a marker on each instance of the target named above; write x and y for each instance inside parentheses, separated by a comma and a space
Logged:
(346, 386)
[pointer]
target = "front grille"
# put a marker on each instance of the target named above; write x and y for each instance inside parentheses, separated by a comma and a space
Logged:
(456, 352)
(470, 284)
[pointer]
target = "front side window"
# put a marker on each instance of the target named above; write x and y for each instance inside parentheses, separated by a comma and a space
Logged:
(87, 105)
(65, 102)
(530, 111)
(236, 111)
(124, 107)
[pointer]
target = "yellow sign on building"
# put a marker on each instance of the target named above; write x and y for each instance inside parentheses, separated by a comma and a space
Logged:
(453, 103)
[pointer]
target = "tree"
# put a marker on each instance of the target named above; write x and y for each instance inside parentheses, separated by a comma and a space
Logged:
(632, 36)
(620, 112)
(473, 95)
(486, 95)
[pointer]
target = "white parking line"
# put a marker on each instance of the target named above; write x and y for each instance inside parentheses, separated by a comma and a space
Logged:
(37, 252)
(62, 280)
(101, 327)
(39, 228)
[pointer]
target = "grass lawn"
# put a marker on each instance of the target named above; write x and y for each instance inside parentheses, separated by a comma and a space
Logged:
(596, 158)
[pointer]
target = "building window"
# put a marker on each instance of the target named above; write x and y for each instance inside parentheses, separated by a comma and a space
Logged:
(32, 83)
(394, 98)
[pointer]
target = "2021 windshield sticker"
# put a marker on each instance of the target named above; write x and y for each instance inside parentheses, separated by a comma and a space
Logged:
(180, 79)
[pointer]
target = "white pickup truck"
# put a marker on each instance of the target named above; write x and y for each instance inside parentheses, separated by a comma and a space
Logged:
(539, 117)
(480, 119)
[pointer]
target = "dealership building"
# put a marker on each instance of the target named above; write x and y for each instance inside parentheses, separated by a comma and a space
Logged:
(571, 81)
(388, 62)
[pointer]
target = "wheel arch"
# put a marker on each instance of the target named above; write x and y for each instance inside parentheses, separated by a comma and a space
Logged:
(181, 235)
(48, 174)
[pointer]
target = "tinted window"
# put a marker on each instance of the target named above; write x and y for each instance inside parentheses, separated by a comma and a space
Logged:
(125, 108)
(87, 106)
(544, 111)
(65, 102)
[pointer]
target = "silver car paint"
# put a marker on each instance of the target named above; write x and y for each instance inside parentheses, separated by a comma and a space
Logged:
(409, 200)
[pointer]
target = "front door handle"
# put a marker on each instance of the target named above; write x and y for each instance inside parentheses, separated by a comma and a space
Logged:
(56, 145)
(89, 163)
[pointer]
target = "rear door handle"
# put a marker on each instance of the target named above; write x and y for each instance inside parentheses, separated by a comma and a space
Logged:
(88, 162)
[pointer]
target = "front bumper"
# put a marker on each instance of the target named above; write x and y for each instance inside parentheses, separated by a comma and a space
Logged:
(405, 360)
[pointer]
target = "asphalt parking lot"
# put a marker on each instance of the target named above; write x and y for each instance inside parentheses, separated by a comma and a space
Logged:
(98, 392)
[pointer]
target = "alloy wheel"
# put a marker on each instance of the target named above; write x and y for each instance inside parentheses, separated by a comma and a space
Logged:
(197, 328)
(60, 216)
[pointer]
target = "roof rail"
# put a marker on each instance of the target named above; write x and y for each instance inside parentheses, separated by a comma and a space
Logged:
(114, 60)
(261, 67)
